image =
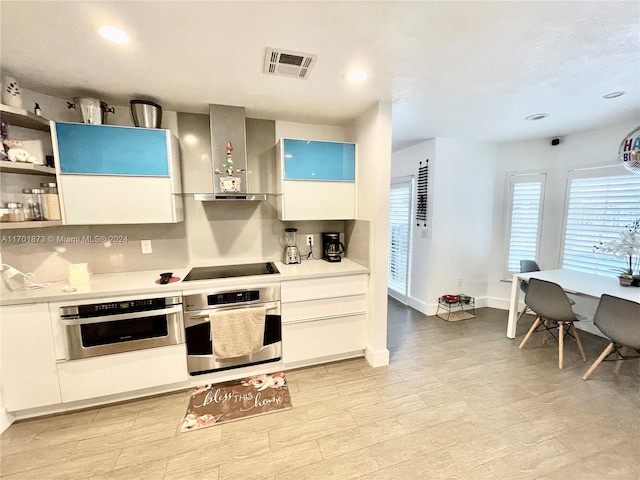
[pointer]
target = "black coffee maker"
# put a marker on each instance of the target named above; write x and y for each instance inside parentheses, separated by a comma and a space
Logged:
(332, 248)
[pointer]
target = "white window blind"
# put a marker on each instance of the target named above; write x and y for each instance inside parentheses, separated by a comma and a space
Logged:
(525, 219)
(598, 209)
(399, 235)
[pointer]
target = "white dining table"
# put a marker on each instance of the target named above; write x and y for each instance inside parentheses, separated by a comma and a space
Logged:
(578, 283)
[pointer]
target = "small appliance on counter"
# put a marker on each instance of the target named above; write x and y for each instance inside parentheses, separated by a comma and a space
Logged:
(332, 248)
(291, 252)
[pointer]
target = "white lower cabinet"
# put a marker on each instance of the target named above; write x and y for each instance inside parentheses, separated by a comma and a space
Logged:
(122, 372)
(323, 317)
(28, 359)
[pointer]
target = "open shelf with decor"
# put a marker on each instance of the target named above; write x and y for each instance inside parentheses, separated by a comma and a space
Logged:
(26, 168)
(29, 224)
(19, 117)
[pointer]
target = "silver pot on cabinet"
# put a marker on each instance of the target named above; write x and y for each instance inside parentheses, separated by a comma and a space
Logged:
(91, 110)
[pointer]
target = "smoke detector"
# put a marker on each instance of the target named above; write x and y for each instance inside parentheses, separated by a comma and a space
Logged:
(288, 63)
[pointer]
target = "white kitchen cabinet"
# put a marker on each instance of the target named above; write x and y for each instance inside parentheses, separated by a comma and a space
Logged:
(323, 319)
(316, 180)
(123, 372)
(29, 374)
(117, 175)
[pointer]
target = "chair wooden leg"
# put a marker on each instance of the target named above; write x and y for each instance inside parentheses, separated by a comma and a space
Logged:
(561, 345)
(521, 314)
(605, 353)
(533, 327)
(574, 330)
(623, 351)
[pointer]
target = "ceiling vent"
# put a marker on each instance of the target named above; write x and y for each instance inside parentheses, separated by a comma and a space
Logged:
(288, 63)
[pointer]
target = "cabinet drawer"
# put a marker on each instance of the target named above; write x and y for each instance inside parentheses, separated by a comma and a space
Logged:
(323, 338)
(318, 309)
(122, 372)
(323, 288)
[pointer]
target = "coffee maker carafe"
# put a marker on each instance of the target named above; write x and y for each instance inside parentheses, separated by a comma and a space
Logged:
(291, 252)
(332, 248)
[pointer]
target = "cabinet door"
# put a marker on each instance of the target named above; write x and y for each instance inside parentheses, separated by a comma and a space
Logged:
(111, 150)
(316, 160)
(29, 374)
(316, 180)
(117, 175)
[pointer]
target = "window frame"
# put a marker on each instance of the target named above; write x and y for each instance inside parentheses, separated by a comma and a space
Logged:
(574, 174)
(512, 179)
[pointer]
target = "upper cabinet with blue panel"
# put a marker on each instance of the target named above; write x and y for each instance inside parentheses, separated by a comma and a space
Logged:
(117, 175)
(316, 160)
(317, 180)
(110, 150)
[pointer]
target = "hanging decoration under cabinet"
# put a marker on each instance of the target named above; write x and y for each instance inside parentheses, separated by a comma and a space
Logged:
(229, 183)
(421, 201)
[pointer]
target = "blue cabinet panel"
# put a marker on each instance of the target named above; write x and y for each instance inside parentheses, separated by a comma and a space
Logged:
(111, 150)
(316, 160)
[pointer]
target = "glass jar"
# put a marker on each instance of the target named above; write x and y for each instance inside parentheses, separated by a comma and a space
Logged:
(11, 212)
(50, 201)
(33, 204)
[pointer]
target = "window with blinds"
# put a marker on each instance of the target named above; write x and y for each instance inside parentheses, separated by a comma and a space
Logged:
(598, 208)
(525, 219)
(399, 236)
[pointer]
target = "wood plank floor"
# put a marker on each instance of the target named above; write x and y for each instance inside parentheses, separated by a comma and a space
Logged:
(458, 401)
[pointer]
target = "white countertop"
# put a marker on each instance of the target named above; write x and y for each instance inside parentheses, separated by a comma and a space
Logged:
(135, 283)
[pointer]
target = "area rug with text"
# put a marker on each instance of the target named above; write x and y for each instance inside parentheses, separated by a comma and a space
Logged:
(236, 399)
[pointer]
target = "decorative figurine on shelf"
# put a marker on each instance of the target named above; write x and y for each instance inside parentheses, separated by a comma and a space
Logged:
(228, 166)
(229, 183)
(18, 154)
(4, 135)
(37, 110)
(11, 94)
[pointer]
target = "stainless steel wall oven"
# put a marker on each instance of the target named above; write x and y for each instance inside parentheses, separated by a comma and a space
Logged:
(96, 329)
(200, 342)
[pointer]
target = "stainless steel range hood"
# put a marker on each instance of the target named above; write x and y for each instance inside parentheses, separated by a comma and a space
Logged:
(228, 130)
(208, 175)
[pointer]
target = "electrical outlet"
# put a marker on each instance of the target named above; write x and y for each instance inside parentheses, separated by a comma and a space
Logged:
(309, 240)
(146, 246)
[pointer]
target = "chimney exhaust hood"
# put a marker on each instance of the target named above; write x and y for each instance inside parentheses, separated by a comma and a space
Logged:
(231, 178)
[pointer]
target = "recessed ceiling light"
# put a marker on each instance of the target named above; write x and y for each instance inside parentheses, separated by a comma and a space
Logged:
(536, 116)
(356, 76)
(614, 94)
(113, 34)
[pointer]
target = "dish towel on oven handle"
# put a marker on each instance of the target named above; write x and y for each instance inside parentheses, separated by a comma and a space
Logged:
(237, 332)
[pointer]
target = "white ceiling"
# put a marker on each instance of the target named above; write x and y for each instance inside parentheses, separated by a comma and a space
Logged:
(450, 69)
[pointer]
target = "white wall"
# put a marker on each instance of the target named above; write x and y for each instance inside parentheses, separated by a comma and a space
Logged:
(591, 148)
(372, 132)
(452, 254)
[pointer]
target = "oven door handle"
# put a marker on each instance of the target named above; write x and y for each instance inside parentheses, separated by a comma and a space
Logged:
(202, 316)
(121, 316)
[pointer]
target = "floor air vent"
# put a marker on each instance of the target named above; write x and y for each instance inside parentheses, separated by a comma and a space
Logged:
(288, 63)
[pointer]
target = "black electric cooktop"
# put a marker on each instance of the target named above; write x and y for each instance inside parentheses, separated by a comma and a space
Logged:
(227, 271)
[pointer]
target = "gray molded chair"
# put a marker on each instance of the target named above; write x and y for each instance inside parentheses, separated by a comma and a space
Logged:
(553, 312)
(530, 266)
(526, 266)
(619, 320)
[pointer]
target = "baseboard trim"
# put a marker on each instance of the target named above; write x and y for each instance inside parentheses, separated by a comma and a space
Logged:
(377, 358)
(6, 419)
(430, 309)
